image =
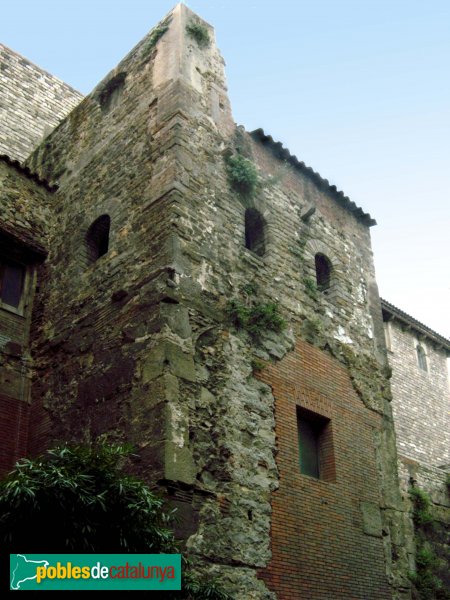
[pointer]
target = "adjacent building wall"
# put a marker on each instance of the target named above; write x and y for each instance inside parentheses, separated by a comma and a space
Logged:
(32, 103)
(421, 406)
(24, 220)
(421, 398)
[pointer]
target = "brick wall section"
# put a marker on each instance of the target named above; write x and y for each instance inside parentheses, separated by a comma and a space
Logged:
(319, 548)
(13, 431)
(421, 400)
(32, 103)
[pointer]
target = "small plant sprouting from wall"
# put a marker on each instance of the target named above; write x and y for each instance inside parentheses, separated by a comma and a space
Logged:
(257, 364)
(422, 507)
(298, 249)
(311, 288)
(253, 316)
(249, 289)
(242, 175)
(431, 578)
(313, 329)
(199, 32)
(155, 36)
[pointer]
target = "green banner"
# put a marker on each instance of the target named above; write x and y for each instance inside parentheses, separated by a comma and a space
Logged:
(95, 571)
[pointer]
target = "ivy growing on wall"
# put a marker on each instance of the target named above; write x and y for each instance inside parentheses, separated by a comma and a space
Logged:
(432, 576)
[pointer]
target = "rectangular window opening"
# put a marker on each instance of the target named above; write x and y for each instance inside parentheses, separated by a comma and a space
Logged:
(315, 445)
(12, 278)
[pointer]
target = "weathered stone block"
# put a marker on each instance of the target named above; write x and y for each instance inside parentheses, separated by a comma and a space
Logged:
(371, 518)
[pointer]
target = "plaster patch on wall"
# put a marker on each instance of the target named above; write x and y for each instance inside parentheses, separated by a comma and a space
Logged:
(341, 336)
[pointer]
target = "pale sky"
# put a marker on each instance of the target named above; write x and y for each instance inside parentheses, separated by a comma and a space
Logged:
(357, 89)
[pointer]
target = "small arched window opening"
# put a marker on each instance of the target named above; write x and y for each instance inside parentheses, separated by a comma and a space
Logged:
(255, 231)
(97, 238)
(421, 358)
(323, 272)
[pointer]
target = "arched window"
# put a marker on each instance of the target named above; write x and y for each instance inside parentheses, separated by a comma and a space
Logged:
(255, 231)
(421, 358)
(97, 238)
(323, 272)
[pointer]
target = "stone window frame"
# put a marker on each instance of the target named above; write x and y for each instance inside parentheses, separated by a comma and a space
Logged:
(260, 247)
(260, 205)
(94, 248)
(109, 207)
(324, 271)
(314, 247)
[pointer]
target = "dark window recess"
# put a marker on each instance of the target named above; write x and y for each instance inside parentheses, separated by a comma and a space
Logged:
(12, 276)
(323, 272)
(255, 231)
(97, 238)
(315, 445)
(111, 93)
(421, 358)
(308, 444)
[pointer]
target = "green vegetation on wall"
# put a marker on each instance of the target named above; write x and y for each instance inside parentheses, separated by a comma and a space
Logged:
(311, 288)
(155, 36)
(199, 33)
(253, 316)
(432, 576)
(242, 174)
(80, 499)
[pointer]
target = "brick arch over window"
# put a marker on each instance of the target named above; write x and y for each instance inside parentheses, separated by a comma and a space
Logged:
(97, 238)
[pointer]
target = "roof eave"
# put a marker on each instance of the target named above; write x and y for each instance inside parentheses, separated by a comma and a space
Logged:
(283, 154)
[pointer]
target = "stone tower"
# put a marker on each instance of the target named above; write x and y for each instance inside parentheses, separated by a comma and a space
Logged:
(163, 284)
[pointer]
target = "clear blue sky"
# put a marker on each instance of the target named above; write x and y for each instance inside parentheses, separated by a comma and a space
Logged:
(357, 89)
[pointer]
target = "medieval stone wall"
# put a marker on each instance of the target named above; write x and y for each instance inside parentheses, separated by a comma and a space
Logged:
(339, 321)
(137, 344)
(32, 103)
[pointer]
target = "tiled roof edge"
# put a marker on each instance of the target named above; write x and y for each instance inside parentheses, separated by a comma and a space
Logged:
(29, 174)
(284, 154)
(422, 329)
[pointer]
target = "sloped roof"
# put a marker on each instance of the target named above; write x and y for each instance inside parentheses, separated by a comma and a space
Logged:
(392, 312)
(27, 172)
(284, 154)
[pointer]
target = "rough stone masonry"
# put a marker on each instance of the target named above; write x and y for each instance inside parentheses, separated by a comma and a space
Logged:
(144, 243)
